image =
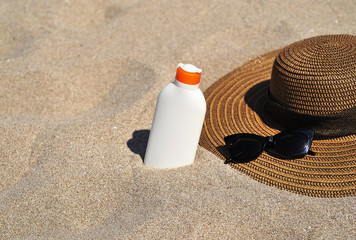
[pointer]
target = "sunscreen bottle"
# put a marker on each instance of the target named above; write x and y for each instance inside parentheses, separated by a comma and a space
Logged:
(178, 121)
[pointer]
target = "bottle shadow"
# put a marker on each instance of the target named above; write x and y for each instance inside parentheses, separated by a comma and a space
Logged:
(138, 143)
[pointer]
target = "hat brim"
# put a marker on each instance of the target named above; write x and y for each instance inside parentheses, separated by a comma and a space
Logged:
(235, 104)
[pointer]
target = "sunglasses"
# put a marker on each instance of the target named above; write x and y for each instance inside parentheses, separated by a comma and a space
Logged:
(245, 147)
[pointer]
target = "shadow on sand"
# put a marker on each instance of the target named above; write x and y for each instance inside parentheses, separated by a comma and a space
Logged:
(138, 143)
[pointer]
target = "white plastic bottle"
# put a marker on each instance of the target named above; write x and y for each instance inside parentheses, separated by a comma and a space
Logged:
(178, 121)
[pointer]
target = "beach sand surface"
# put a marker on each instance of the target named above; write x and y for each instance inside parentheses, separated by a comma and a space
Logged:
(78, 87)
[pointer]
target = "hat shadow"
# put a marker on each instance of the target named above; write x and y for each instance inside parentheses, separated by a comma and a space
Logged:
(256, 99)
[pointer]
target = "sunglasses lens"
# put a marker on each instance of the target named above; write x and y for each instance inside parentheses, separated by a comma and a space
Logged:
(292, 144)
(245, 147)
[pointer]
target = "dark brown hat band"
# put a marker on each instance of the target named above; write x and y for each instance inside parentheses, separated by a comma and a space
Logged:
(325, 126)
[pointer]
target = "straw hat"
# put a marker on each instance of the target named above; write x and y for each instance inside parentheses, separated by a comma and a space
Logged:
(309, 83)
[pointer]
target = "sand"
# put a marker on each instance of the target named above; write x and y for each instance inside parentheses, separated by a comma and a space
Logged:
(78, 86)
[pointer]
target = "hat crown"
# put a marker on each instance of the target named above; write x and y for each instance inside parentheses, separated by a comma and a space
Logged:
(316, 76)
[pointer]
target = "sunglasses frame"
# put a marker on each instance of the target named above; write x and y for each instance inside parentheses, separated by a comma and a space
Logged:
(270, 143)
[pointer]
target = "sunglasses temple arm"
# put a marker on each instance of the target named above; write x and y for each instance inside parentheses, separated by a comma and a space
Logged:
(310, 152)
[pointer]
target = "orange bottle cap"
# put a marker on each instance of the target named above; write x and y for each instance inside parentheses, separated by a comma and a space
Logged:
(188, 74)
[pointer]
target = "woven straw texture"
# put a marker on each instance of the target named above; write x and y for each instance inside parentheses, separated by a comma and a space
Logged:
(235, 104)
(317, 76)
